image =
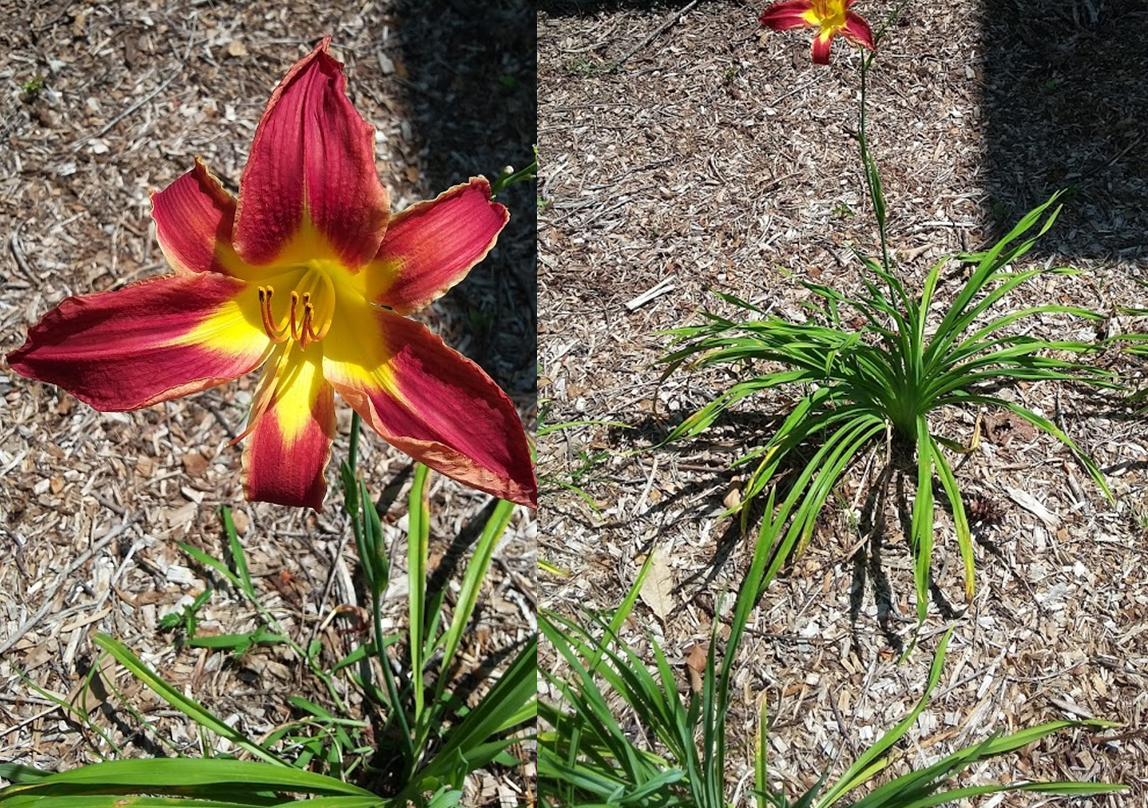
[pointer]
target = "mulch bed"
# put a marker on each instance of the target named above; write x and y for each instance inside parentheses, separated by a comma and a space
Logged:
(684, 148)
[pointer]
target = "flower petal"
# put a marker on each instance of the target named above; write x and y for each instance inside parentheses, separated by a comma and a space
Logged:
(857, 31)
(821, 45)
(310, 186)
(289, 445)
(788, 14)
(430, 246)
(151, 341)
(193, 218)
(430, 402)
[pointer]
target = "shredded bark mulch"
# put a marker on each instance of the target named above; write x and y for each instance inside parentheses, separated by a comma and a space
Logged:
(685, 148)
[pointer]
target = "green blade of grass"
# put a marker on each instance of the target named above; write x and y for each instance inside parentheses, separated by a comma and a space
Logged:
(960, 519)
(237, 554)
(862, 770)
(70, 800)
(591, 714)
(1044, 425)
(919, 789)
(208, 561)
(761, 756)
(514, 689)
(475, 574)
(189, 777)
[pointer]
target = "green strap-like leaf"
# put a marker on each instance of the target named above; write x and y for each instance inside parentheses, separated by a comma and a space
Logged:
(185, 704)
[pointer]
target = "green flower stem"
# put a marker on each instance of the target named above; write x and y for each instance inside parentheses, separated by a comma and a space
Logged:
(353, 455)
(400, 715)
(869, 168)
(508, 177)
(357, 502)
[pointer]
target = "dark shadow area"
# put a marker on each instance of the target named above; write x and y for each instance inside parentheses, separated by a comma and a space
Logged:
(390, 494)
(99, 694)
(470, 73)
(905, 518)
(387, 762)
(867, 566)
(1066, 107)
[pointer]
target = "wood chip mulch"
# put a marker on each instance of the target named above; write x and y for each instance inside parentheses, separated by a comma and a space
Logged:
(684, 148)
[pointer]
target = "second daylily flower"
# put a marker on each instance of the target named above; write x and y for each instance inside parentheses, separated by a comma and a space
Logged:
(308, 275)
(829, 17)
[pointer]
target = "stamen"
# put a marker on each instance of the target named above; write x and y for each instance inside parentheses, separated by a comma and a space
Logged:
(308, 317)
(276, 333)
(306, 329)
(301, 333)
(316, 336)
(294, 322)
(323, 329)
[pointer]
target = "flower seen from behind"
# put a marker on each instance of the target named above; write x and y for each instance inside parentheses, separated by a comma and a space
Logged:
(307, 275)
(829, 17)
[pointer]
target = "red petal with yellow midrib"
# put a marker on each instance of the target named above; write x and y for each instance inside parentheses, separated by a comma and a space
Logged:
(285, 454)
(437, 406)
(124, 350)
(822, 44)
(313, 158)
(787, 14)
(432, 245)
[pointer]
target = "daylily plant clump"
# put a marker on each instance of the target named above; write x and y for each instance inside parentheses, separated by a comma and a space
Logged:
(309, 276)
(829, 17)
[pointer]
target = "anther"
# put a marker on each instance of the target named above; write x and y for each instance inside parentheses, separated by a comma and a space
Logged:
(306, 333)
(276, 333)
(294, 319)
(323, 329)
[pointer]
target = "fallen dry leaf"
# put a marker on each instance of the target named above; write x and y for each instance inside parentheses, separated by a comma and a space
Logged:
(696, 665)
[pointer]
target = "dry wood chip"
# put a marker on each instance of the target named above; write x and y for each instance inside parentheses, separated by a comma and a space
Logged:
(664, 286)
(657, 590)
(1033, 506)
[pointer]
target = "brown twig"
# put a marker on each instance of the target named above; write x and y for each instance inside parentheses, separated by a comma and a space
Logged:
(668, 21)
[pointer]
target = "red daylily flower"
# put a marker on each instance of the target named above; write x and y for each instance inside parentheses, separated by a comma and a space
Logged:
(830, 17)
(308, 275)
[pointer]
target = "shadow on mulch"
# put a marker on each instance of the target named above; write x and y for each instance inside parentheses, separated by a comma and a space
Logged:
(472, 93)
(1065, 106)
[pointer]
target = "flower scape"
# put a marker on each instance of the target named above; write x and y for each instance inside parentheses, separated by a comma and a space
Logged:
(309, 276)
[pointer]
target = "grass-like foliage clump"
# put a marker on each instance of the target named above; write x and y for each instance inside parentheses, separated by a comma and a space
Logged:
(881, 385)
(664, 749)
